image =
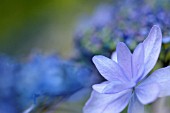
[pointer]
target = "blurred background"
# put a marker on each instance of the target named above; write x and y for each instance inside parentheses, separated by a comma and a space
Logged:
(68, 33)
(48, 26)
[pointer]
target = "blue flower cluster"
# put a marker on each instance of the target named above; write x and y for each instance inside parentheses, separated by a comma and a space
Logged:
(40, 76)
(8, 69)
(111, 24)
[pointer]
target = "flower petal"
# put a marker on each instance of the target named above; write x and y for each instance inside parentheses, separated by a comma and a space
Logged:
(124, 58)
(161, 77)
(147, 93)
(138, 62)
(135, 106)
(152, 47)
(119, 104)
(100, 87)
(107, 103)
(115, 87)
(109, 69)
(114, 56)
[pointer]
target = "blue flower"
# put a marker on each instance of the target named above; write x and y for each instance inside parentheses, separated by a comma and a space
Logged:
(8, 69)
(50, 76)
(110, 24)
(127, 80)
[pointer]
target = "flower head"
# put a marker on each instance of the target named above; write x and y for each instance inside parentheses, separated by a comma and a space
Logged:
(108, 25)
(50, 76)
(127, 80)
(8, 70)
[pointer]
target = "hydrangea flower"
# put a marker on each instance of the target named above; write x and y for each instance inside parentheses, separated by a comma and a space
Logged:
(127, 80)
(50, 76)
(110, 24)
(8, 70)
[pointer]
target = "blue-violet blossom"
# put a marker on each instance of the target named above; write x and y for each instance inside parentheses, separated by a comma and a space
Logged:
(127, 80)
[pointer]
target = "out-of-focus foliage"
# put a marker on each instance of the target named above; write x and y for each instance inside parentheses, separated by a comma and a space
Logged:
(25, 25)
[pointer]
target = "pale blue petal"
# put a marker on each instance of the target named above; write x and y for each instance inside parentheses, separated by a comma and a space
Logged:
(138, 62)
(147, 93)
(100, 87)
(115, 87)
(124, 58)
(152, 47)
(107, 103)
(161, 77)
(119, 104)
(109, 69)
(114, 56)
(135, 106)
